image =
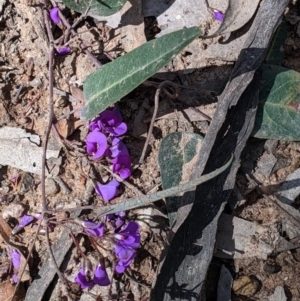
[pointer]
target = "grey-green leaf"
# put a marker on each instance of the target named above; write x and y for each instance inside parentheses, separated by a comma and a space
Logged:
(278, 115)
(175, 158)
(114, 80)
(143, 200)
(95, 7)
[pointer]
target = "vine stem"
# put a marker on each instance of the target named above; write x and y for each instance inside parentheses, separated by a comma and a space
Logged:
(48, 130)
(156, 103)
(74, 33)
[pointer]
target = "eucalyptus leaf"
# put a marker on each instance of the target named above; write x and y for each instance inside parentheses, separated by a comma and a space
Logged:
(144, 200)
(116, 79)
(278, 115)
(95, 7)
(175, 155)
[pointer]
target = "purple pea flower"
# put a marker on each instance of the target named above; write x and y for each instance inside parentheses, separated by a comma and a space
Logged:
(119, 222)
(15, 258)
(25, 220)
(63, 51)
(82, 279)
(16, 262)
(127, 240)
(129, 236)
(89, 225)
(111, 122)
(96, 144)
(125, 257)
(100, 275)
(93, 229)
(121, 165)
(54, 15)
(118, 148)
(95, 125)
(15, 278)
(107, 191)
(218, 15)
(116, 219)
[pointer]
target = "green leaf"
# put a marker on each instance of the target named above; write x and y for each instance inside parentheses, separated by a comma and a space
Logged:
(95, 7)
(114, 80)
(175, 156)
(278, 115)
(275, 54)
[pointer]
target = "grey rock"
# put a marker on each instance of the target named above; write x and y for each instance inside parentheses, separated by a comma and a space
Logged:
(51, 187)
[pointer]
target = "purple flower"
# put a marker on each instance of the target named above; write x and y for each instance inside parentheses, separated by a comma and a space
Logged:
(129, 236)
(125, 257)
(95, 124)
(54, 15)
(25, 220)
(81, 278)
(116, 219)
(95, 231)
(63, 51)
(118, 148)
(127, 240)
(96, 144)
(218, 15)
(107, 191)
(121, 165)
(15, 258)
(15, 278)
(89, 225)
(100, 275)
(111, 122)
(119, 222)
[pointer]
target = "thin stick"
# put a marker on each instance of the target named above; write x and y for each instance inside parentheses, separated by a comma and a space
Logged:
(51, 117)
(156, 102)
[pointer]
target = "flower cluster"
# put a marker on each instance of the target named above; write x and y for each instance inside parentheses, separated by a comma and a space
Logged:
(103, 141)
(125, 241)
(100, 277)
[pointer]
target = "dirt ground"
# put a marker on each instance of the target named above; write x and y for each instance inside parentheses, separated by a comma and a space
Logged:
(24, 104)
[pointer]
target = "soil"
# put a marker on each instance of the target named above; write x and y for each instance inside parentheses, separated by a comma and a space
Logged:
(24, 82)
